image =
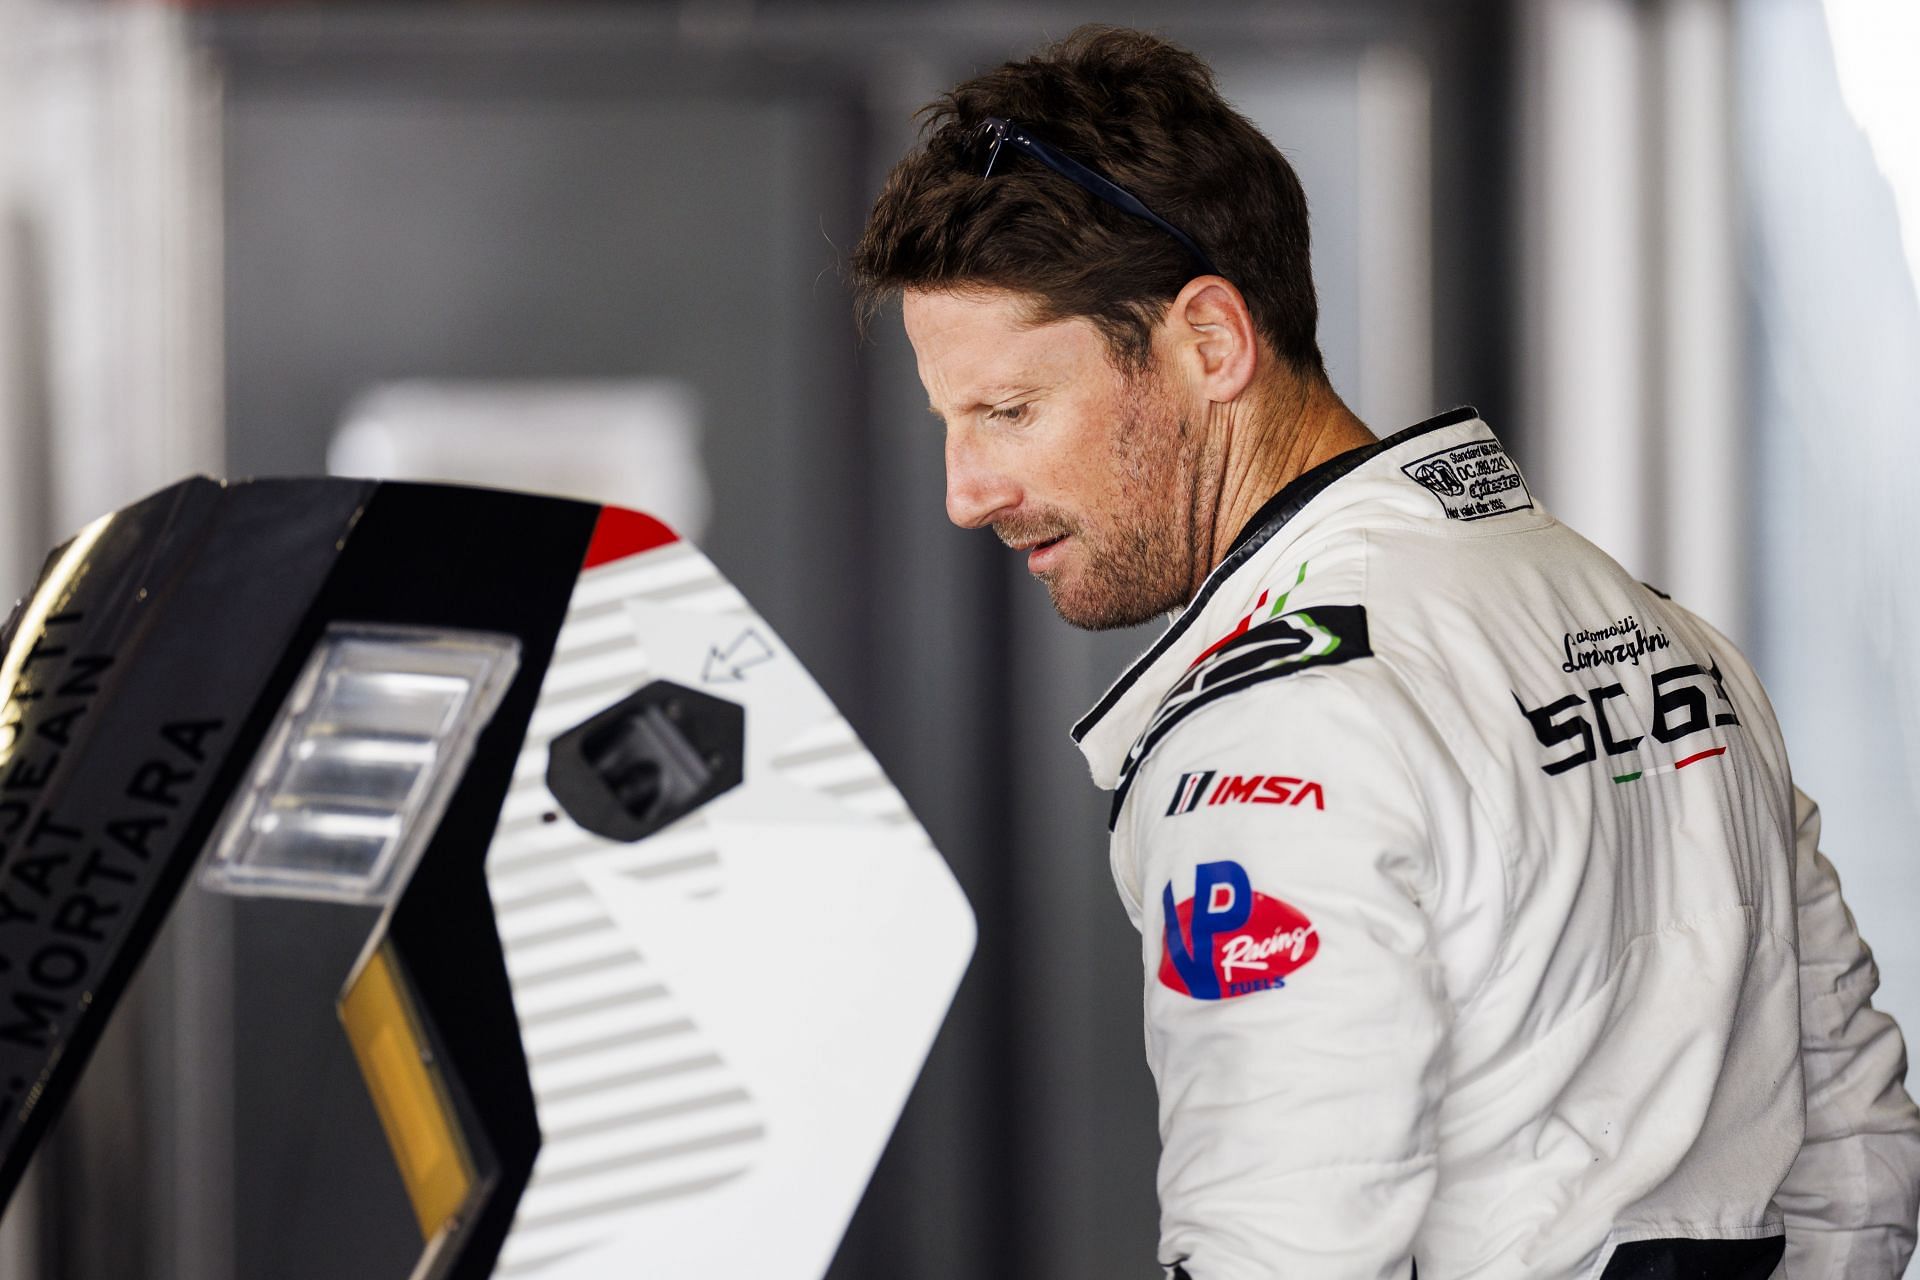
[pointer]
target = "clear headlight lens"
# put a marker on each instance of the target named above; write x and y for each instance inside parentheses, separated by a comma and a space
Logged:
(358, 767)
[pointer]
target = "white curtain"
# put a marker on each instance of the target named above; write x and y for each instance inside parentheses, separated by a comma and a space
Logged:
(1836, 414)
(109, 278)
(110, 376)
(1629, 314)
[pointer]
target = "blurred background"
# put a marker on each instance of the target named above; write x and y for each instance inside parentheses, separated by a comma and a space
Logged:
(1667, 249)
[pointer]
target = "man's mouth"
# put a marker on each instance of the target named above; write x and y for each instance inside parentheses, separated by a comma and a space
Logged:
(1041, 555)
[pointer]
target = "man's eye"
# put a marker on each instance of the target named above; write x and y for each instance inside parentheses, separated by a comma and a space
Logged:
(1008, 413)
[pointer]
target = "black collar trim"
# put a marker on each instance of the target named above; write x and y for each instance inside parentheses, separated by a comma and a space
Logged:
(1272, 516)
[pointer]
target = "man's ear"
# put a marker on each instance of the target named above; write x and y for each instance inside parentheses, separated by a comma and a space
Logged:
(1213, 336)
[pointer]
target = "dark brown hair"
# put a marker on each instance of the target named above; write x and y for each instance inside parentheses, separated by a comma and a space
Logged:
(1146, 114)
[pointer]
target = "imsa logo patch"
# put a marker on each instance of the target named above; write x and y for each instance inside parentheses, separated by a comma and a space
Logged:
(1195, 789)
(1279, 647)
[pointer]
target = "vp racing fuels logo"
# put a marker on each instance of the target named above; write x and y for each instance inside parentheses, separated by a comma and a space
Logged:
(1226, 940)
(1195, 789)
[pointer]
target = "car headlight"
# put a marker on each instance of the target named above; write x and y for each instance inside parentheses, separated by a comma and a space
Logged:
(359, 764)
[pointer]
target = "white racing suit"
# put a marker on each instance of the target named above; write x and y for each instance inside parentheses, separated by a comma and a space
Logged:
(1483, 928)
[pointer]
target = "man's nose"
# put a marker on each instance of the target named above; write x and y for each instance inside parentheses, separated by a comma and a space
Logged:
(977, 491)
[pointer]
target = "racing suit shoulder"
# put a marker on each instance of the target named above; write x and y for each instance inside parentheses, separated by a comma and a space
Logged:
(1230, 749)
(1278, 859)
(1334, 676)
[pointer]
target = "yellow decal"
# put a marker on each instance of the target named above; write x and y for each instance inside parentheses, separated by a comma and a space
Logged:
(408, 1093)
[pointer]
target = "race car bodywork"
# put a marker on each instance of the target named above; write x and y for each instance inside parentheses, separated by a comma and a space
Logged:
(659, 950)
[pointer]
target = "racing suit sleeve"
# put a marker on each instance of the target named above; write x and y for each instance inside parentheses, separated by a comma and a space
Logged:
(1852, 1195)
(1295, 1017)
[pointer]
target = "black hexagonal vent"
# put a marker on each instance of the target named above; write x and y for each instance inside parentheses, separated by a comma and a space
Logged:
(648, 760)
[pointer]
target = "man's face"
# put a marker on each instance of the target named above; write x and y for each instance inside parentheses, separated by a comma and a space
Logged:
(1089, 471)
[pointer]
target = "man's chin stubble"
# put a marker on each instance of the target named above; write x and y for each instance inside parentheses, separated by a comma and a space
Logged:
(1112, 609)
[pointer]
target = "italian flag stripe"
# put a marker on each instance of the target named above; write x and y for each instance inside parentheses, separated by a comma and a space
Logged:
(1675, 767)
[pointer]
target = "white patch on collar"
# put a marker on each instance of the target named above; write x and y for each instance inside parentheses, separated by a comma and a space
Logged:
(1472, 480)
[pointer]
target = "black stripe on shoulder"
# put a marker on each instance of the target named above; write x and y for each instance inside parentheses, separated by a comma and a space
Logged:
(1180, 1272)
(1278, 647)
(1686, 1259)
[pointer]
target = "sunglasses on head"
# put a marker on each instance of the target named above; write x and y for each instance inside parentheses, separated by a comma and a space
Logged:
(996, 133)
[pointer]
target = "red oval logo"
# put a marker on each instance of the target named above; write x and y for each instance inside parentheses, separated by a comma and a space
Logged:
(1255, 954)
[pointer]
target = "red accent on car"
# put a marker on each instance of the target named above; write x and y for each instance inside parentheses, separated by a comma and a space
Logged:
(620, 533)
(1276, 939)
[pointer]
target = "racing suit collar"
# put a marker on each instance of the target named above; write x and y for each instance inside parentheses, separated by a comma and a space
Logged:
(1303, 488)
(1106, 732)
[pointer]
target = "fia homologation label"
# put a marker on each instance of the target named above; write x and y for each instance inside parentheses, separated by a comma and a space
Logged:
(1472, 480)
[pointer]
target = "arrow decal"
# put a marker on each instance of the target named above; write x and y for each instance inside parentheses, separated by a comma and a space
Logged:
(730, 665)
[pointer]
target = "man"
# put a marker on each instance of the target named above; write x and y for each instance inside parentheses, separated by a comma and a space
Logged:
(1483, 929)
